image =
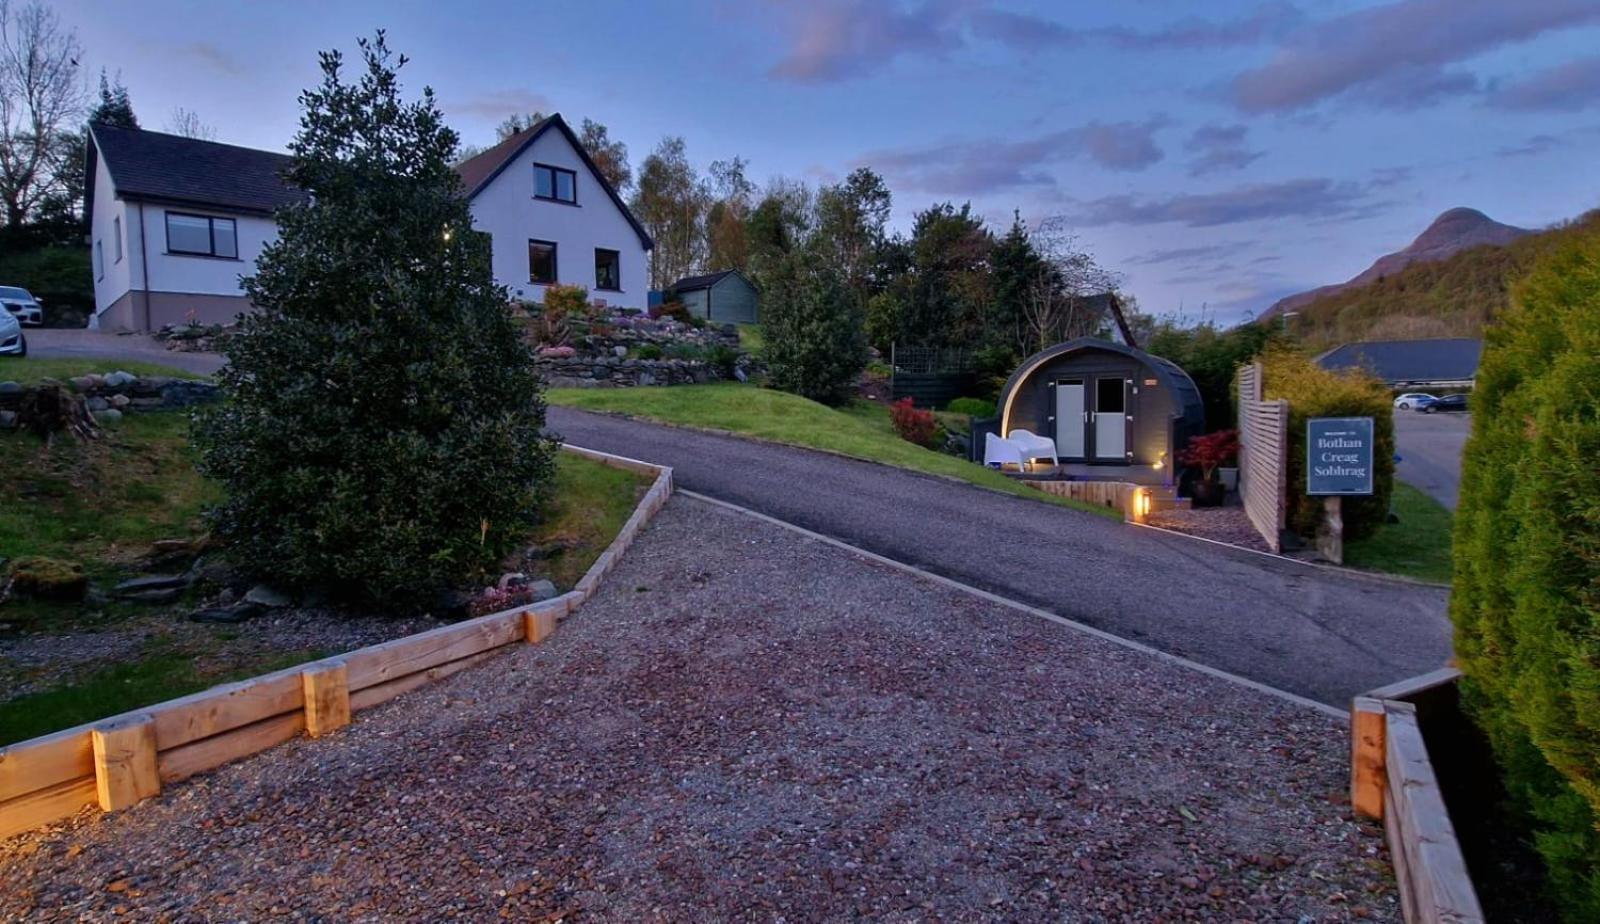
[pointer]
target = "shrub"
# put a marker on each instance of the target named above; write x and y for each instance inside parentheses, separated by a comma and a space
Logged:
(381, 433)
(673, 310)
(914, 424)
(1526, 598)
(1313, 391)
(972, 407)
(1210, 451)
(648, 351)
(723, 358)
(686, 351)
(565, 301)
(815, 345)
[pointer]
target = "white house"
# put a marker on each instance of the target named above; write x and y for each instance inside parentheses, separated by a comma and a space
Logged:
(174, 223)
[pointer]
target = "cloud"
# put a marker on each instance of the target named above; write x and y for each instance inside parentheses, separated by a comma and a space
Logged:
(1026, 32)
(1219, 148)
(1568, 87)
(1534, 146)
(832, 40)
(1389, 53)
(1305, 199)
(498, 104)
(1188, 254)
(971, 168)
(213, 57)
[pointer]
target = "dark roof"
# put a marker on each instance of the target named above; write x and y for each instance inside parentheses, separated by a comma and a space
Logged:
(151, 165)
(1409, 360)
(478, 171)
(691, 283)
(1170, 373)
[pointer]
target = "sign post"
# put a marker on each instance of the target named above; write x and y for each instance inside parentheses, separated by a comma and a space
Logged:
(1339, 453)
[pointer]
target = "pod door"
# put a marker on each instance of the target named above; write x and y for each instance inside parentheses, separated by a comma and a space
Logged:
(1110, 419)
(1071, 419)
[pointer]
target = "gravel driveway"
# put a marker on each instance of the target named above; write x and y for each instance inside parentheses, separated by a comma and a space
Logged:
(746, 724)
(1324, 634)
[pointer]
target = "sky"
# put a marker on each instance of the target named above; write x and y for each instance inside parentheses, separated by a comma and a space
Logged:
(1218, 156)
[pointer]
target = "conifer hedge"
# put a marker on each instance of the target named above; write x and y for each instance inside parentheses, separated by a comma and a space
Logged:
(1526, 602)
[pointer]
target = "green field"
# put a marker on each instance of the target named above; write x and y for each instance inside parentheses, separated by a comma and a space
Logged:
(860, 431)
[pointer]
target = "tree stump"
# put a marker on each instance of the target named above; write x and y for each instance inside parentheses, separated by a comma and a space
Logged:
(49, 408)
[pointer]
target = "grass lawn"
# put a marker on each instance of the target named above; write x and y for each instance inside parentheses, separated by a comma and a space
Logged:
(1418, 546)
(28, 369)
(860, 431)
(592, 501)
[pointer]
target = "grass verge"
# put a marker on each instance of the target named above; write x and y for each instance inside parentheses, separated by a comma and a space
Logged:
(30, 369)
(1418, 546)
(592, 502)
(861, 431)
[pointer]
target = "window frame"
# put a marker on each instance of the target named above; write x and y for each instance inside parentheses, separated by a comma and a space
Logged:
(554, 187)
(555, 263)
(617, 259)
(99, 260)
(211, 230)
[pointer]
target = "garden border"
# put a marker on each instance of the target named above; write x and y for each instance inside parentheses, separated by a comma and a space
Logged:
(1392, 780)
(121, 760)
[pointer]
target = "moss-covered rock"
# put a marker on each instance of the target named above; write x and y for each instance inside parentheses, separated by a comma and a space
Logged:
(48, 578)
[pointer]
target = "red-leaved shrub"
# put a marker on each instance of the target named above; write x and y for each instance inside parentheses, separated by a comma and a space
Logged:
(913, 425)
(1209, 451)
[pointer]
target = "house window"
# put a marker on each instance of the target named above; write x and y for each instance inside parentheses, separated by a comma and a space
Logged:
(99, 261)
(607, 270)
(201, 235)
(116, 237)
(542, 262)
(555, 183)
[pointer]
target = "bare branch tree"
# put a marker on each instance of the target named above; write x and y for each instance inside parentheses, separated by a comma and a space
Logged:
(40, 97)
(1058, 303)
(186, 122)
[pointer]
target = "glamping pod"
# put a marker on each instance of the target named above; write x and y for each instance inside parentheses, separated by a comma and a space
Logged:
(1102, 403)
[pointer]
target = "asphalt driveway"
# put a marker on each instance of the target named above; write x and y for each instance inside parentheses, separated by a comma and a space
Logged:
(1430, 447)
(1324, 634)
(54, 343)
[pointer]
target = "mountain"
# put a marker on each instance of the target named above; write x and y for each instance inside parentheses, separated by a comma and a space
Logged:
(1452, 232)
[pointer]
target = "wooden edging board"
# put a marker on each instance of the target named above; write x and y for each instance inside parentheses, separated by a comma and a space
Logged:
(123, 759)
(1392, 780)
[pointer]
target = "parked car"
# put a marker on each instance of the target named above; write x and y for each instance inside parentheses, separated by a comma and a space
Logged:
(21, 303)
(1413, 401)
(1447, 403)
(12, 343)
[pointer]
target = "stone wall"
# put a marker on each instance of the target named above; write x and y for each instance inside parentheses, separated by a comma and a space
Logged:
(110, 396)
(620, 372)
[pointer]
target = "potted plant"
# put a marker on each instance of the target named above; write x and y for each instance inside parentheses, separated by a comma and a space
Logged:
(1208, 453)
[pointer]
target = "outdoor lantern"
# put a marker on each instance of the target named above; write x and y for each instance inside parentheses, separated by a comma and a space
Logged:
(1143, 504)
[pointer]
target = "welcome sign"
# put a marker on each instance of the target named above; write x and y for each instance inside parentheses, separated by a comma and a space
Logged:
(1339, 455)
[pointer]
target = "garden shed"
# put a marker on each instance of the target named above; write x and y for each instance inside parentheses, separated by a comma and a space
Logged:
(1103, 403)
(727, 297)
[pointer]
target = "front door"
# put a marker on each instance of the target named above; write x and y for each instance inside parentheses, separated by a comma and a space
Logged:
(1070, 419)
(1110, 420)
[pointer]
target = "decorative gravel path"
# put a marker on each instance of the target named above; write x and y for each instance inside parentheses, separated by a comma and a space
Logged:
(748, 724)
(1224, 524)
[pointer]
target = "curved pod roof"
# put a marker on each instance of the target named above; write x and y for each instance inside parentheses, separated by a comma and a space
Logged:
(1169, 373)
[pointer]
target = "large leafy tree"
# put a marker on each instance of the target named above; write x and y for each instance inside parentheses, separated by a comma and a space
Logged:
(815, 341)
(949, 286)
(852, 218)
(672, 202)
(381, 435)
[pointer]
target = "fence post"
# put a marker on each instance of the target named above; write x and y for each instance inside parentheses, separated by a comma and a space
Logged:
(327, 693)
(125, 762)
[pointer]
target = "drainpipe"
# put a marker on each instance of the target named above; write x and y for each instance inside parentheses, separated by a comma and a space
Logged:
(144, 266)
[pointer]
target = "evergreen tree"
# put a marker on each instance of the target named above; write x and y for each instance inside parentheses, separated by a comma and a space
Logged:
(381, 434)
(815, 343)
(114, 106)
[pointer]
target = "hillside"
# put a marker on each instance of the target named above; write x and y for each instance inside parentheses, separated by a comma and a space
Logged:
(1453, 231)
(1427, 297)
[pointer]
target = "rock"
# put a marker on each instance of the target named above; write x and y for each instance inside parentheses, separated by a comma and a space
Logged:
(511, 580)
(267, 596)
(153, 582)
(159, 595)
(108, 416)
(620, 351)
(119, 378)
(119, 401)
(81, 383)
(97, 404)
(232, 613)
(173, 545)
(543, 590)
(10, 388)
(49, 578)
(452, 604)
(8, 420)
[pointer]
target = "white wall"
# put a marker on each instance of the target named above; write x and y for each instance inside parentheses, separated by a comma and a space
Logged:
(201, 275)
(116, 278)
(507, 210)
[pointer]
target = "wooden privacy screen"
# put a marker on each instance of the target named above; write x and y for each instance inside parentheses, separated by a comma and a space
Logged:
(1263, 468)
(118, 761)
(1391, 778)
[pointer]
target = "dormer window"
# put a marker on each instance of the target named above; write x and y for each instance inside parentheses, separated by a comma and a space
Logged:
(555, 183)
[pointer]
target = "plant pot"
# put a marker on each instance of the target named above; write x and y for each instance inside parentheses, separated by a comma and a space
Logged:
(1205, 493)
(1230, 477)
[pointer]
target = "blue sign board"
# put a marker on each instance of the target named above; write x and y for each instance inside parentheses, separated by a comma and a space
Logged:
(1339, 455)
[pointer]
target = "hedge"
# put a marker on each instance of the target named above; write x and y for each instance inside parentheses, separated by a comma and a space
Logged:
(1313, 391)
(1526, 601)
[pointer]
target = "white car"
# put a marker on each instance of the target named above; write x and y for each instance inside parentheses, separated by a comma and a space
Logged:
(21, 303)
(12, 343)
(1413, 400)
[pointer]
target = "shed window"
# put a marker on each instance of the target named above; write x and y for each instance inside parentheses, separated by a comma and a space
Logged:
(1108, 396)
(556, 183)
(201, 235)
(542, 262)
(607, 270)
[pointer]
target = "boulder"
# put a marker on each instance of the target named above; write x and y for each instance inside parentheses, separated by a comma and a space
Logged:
(8, 420)
(10, 388)
(97, 404)
(119, 379)
(267, 596)
(543, 590)
(49, 578)
(81, 383)
(149, 583)
(107, 416)
(158, 595)
(119, 401)
(227, 614)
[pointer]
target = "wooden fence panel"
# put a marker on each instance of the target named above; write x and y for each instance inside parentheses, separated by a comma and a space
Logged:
(1263, 463)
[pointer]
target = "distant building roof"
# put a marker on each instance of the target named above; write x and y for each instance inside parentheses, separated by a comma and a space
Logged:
(1401, 361)
(476, 172)
(152, 165)
(691, 283)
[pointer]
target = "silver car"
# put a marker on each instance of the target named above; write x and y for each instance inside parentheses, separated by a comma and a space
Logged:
(12, 343)
(21, 303)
